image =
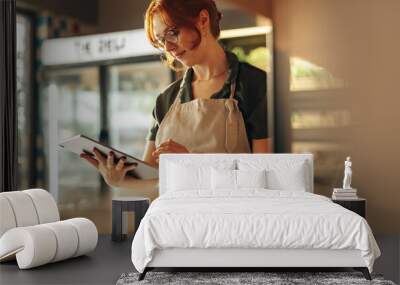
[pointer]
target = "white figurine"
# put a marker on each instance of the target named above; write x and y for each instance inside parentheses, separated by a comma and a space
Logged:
(347, 174)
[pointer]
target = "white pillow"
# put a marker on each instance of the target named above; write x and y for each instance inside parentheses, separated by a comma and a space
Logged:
(251, 178)
(281, 175)
(292, 179)
(237, 179)
(223, 179)
(183, 177)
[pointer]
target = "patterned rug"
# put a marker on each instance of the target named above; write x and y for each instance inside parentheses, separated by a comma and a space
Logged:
(243, 278)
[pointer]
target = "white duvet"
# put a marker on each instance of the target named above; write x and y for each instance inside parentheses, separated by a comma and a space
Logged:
(252, 218)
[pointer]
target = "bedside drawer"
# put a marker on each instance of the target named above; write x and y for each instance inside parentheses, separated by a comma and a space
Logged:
(357, 206)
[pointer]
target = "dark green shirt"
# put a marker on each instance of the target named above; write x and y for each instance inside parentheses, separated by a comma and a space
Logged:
(251, 94)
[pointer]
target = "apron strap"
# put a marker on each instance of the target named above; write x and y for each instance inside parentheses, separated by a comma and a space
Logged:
(182, 85)
(231, 123)
(177, 98)
(233, 89)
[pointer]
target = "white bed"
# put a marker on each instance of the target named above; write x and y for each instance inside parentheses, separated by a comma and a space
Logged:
(197, 224)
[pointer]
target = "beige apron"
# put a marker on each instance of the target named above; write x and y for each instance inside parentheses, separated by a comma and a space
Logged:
(205, 125)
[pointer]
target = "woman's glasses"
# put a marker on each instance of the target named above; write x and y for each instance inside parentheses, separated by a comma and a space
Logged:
(171, 36)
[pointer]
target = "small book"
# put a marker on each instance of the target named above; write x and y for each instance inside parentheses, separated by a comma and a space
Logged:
(334, 197)
(345, 194)
(82, 144)
(341, 190)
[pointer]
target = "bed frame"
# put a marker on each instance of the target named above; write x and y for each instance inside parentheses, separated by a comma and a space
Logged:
(248, 259)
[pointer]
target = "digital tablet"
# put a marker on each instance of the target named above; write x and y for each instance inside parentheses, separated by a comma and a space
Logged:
(82, 144)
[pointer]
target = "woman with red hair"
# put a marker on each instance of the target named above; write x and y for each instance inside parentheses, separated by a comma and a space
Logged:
(218, 106)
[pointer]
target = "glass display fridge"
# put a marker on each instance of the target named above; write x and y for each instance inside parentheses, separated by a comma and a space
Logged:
(107, 97)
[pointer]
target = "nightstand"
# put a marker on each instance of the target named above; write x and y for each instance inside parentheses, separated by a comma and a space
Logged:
(120, 207)
(358, 205)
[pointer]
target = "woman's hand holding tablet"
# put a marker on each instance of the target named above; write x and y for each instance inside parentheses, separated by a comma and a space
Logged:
(112, 170)
(112, 163)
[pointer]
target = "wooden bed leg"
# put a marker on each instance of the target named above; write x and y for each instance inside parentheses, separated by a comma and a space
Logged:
(143, 274)
(364, 271)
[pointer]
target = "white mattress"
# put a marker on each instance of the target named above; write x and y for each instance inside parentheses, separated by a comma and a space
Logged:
(252, 218)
